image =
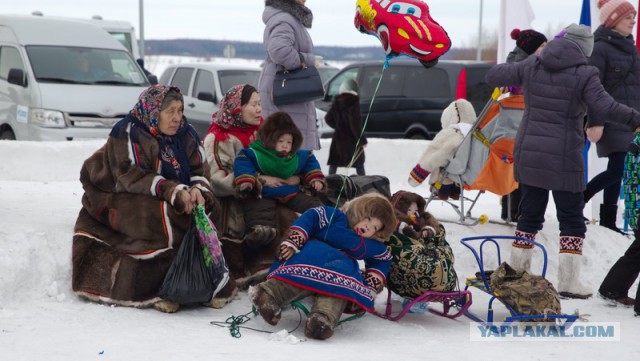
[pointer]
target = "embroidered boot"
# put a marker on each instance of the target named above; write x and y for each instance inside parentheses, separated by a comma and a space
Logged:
(521, 251)
(569, 284)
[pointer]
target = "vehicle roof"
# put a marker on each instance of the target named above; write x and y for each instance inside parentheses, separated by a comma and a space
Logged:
(37, 30)
(414, 62)
(216, 66)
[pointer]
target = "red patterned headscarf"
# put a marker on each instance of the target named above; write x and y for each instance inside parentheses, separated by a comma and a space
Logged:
(228, 120)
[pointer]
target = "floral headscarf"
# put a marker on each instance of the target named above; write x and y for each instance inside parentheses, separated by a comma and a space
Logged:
(147, 110)
(228, 120)
(144, 119)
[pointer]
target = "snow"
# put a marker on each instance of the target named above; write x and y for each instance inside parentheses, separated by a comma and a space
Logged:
(41, 318)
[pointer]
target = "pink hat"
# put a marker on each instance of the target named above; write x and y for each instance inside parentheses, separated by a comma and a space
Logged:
(613, 11)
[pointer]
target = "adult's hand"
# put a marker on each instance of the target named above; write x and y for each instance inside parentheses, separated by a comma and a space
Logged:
(183, 203)
(595, 133)
(196, 196)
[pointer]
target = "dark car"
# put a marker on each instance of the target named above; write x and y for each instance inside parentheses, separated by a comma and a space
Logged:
(410, 98)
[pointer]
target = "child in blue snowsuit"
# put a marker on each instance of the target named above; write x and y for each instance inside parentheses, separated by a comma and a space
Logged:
(275, 161)
(320, 257)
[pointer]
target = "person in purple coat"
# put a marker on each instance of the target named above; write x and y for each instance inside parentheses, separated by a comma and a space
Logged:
(320, 257)
(559, 86)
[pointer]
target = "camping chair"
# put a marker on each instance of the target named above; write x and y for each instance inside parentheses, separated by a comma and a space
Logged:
(484, 160)
(454, 304)
(481, 281)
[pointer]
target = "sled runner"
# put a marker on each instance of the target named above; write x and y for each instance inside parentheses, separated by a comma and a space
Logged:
(454, 304)
(482, 281)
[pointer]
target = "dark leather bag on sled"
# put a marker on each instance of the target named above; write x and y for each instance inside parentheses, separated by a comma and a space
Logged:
(341, 188)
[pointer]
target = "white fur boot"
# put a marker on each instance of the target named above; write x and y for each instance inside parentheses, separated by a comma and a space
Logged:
(521, 251)
(569, 284)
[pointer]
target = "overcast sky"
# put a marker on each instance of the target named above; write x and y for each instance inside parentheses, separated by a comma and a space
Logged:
(242, 19)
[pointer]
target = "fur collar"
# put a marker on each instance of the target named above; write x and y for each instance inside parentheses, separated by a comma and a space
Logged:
(300, 12)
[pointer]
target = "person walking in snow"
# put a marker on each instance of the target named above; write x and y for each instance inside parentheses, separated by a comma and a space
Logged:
(320, 258)
(616, 57)
(558, 88)
(348, 139)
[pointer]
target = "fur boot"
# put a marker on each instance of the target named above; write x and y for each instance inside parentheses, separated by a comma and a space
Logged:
(521, 251)
(318, 326)
(569, 283)
(226, 295)
(265, 304)
(259, 236)
(166, 306)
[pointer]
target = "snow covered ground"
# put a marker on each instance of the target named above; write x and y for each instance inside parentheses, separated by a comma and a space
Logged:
(40, 318)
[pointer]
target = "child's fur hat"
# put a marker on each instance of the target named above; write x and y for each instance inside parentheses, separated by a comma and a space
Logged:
(401, 200)
(275, 126)
(459, 111)
(372, 205)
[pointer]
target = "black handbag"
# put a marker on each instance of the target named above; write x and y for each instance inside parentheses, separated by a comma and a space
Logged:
(297, 86)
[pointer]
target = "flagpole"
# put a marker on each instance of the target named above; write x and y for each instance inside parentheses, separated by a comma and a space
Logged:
(479, 48)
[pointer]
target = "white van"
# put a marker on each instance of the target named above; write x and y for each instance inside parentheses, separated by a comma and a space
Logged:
(63, 79)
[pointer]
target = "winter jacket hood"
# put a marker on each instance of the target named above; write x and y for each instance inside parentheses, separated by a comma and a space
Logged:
(561, 54)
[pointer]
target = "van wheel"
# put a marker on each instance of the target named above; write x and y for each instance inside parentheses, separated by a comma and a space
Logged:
(417, 135)
(385, 39)
(7, 134)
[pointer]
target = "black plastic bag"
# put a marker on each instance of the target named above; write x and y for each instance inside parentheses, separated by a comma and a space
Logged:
(198, 271)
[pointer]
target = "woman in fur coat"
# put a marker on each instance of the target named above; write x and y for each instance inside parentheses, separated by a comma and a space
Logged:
(286, 40)
(234, 127)
(348, 138)
(140, 189)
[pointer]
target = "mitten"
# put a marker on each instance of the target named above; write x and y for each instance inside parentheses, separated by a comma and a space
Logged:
(244, 190)
(633, 148)
(418, 175)
(408, 231)
(374, 280)
(427, 232)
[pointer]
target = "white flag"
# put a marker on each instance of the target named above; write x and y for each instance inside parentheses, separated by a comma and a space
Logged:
(514, 14)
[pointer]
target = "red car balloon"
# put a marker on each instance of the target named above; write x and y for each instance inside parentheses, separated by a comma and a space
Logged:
(403, 27)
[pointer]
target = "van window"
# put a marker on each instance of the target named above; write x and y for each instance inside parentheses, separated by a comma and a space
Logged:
(124, 39)
(334, 86)
(182, 79)
(9, 58)
(392, 83)
(426, 83)
(204, 83)
(60, 64)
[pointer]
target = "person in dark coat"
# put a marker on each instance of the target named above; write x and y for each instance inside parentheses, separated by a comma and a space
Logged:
(558, 88)
(348, 139)
(528, 42)
(616, 57)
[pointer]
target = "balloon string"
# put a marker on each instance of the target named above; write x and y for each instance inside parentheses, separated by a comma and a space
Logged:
(356, 152)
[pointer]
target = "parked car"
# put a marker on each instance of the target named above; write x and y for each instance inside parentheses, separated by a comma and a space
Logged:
(203, 85)
(63, 79)
(410, 98)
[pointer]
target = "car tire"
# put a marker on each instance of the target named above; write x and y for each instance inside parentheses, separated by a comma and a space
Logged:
(7, 134)
(385, 38)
